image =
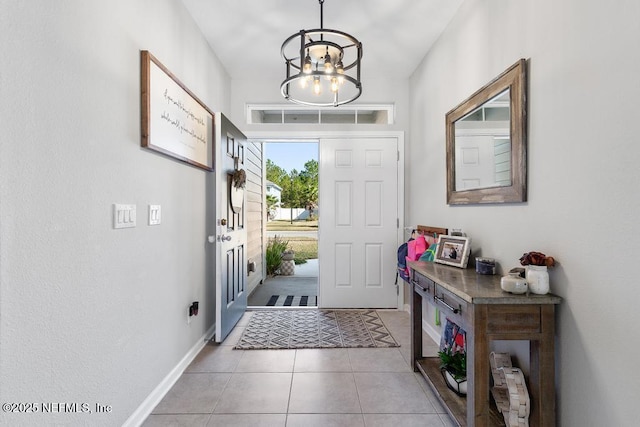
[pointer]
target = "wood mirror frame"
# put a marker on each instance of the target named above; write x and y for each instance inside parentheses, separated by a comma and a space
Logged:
(514, 79)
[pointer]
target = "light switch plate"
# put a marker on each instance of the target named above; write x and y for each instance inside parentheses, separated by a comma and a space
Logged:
(155, 214)
(124, 216)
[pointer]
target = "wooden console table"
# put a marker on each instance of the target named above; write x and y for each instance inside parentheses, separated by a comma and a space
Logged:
(478, 304)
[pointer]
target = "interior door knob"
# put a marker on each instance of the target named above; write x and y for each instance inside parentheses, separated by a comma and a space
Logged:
(224, 238)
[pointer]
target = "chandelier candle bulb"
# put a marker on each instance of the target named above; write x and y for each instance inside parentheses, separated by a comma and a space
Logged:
(334, 84)
(307, 68)
(316, 85)
(328, 67)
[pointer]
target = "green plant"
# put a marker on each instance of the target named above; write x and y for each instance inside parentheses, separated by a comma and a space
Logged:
(455, 362)
(273, 255)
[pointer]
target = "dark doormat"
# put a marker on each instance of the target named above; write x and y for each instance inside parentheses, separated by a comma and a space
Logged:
(292, 301)
(312, 328)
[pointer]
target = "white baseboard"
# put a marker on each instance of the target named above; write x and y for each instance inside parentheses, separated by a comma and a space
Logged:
(407, 308)
(140, 415)
(431, 331)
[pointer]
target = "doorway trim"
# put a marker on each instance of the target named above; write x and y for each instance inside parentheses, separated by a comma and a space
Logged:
(263, 136)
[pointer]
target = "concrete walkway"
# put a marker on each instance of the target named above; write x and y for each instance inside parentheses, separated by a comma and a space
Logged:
(308, 269)
(304, 282)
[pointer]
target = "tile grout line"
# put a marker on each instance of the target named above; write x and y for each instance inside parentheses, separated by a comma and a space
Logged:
(226, 384)
(293, 369)
(355, 383)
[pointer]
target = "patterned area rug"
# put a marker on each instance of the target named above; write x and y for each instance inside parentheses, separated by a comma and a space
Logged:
(315, 329)
(293, 301)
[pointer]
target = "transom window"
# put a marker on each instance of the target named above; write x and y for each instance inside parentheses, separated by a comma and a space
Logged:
(382, 114)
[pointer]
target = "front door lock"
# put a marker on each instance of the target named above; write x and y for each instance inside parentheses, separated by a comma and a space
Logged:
(223, 221)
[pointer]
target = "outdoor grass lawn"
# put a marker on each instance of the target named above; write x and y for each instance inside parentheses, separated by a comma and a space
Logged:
(285, 225)
(304, 247)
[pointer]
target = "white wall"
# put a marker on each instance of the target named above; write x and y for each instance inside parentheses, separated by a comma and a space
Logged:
(583, 168)
(88, 313)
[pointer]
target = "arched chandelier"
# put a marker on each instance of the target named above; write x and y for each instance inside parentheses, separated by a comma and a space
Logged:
(323, 67)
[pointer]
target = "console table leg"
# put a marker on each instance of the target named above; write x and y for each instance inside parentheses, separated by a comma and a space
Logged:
(478, 377)
(416, 329)
(542, 376)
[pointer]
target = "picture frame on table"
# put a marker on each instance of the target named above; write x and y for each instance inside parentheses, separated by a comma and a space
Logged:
(453, 251)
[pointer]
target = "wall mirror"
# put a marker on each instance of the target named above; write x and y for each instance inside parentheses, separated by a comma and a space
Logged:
(486, 142)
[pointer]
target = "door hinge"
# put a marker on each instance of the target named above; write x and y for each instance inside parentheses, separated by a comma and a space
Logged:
(398, 154)
(397, 222)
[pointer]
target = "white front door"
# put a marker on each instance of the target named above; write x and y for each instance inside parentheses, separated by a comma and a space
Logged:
(231, 238)
(358, 223)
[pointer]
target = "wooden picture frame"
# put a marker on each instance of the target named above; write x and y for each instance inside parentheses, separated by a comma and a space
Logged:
(453, 250)
(174, 121)
(514, 81)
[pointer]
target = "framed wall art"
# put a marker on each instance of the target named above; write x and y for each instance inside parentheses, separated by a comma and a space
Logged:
(453, 250)
(174, 121)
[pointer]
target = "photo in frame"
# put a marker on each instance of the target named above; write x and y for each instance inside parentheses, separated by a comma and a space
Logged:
(174, 121)
(453, 250)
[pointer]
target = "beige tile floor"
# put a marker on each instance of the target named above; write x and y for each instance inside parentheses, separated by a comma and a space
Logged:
(307, 387)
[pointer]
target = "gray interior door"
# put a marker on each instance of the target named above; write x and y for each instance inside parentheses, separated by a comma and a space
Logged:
(231, 239)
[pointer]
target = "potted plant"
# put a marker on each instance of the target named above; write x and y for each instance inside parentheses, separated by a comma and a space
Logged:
(453, 365)
(275, 248)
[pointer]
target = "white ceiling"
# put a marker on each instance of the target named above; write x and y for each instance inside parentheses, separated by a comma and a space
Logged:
(246, 35)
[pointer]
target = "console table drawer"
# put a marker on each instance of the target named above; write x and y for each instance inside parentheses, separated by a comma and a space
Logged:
(513, 319)
(451, 305)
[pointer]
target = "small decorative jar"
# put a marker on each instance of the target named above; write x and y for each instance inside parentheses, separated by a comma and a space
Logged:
(514, 283)
(485, 265)
(538, 279)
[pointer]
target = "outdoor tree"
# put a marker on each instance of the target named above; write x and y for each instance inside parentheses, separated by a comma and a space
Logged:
(299, 189)
(309, 181)
(292, 192)
(275, 173)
